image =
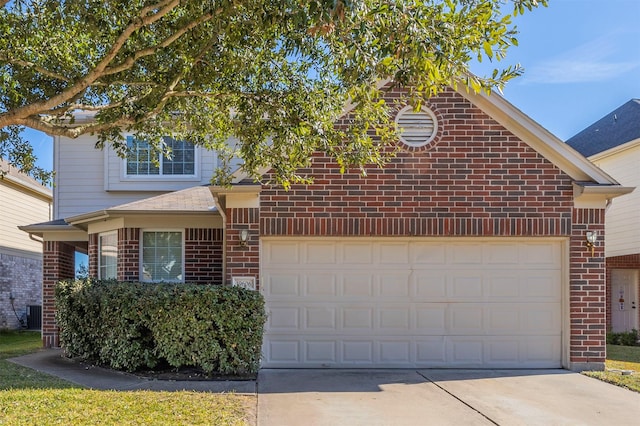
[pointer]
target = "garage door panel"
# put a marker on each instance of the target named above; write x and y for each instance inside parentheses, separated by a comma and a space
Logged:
(321, 285)
(431, 318)
(320, 318)
(394, 285)
(323, 352)
(358, 285)
(428, 255)
(412, 303)
(357, 253)
(285, 285)
(430, 285)
(393, 253)
(320, 253)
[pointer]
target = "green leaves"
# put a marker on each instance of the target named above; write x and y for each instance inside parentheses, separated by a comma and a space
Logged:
(132, 326)
(274, 75)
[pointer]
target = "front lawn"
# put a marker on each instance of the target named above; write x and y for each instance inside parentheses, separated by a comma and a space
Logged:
(621, 358)
(28, 397)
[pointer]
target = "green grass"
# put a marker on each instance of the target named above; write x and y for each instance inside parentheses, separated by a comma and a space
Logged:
(621, 358)
(28, 397)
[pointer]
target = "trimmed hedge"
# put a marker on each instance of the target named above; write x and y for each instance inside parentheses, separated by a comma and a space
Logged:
(133, 326)
(625, 338)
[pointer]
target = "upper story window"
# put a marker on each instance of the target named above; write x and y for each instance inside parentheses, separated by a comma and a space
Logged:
(140, 161)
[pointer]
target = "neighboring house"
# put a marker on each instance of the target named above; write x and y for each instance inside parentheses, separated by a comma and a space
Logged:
(613, 144)
(467, 250)
(22, 200)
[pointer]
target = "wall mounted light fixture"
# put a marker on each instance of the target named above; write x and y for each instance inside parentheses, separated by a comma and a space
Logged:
(244, 235)
(591, 239)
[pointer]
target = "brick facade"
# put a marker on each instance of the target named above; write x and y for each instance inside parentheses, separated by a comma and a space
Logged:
(20, 284)
(475, 179)
(58, 264)
(630, 261)
(243, 261)
(478, 179)
(587, 299)
(128, 254)
(203, 256)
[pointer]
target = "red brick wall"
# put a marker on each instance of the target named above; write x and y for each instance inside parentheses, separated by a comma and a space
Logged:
(587, 300)
(58, 264)
(630, 261)
(203, 256)
(243, 261)
(128, 254)
(476, 179)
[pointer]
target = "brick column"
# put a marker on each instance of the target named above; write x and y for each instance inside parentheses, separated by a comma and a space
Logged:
(243, 261)
(587, 301)
(92, 252)
(128, 254)
(58, 264)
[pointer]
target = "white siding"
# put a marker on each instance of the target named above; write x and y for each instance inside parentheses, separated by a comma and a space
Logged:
(88, 179)
(622, 219)
(18, 208)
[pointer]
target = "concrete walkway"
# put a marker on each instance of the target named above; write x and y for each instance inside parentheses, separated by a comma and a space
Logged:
(391, 397)
(52, 361)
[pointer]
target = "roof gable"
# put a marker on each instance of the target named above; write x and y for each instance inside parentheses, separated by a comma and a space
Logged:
(614, 129)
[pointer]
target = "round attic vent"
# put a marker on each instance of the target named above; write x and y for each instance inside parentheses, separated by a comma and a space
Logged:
(416, 128)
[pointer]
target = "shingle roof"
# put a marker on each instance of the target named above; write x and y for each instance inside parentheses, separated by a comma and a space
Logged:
(614, 129)
(24, 180)
(195, 199)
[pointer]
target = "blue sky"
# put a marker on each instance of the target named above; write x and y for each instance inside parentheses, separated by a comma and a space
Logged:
(581, 60)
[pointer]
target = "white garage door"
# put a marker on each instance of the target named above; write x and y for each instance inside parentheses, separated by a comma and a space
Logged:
(412, 303)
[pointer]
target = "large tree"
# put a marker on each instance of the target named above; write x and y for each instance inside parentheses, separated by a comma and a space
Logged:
(275, 73)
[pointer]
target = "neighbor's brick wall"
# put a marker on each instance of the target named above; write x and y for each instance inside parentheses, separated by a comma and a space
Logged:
(203, 256)
(20, 277)
(58, 264)
(243, 261)
(629, 261)
(475, 179)
(587, 300)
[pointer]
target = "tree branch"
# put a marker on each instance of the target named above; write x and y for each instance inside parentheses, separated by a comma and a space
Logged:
(129, 61)
(37, 68)
(143, 19)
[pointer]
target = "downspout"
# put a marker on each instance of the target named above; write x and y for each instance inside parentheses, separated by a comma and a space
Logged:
(216, 201)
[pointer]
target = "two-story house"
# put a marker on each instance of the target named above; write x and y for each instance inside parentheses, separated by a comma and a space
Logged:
(613, 144)
(469, 249)
(22, 200)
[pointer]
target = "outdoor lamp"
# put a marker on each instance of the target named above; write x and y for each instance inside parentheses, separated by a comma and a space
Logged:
(244, 234)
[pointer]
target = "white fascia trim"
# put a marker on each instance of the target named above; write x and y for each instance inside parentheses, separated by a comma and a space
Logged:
(597, 196)
(537, 137)
(615, 150)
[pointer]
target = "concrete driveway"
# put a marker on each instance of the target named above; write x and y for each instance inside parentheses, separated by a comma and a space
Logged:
(441, 397)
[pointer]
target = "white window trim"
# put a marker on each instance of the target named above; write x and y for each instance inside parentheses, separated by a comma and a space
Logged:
(195, 177)
(100, 235)
(141, 253)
